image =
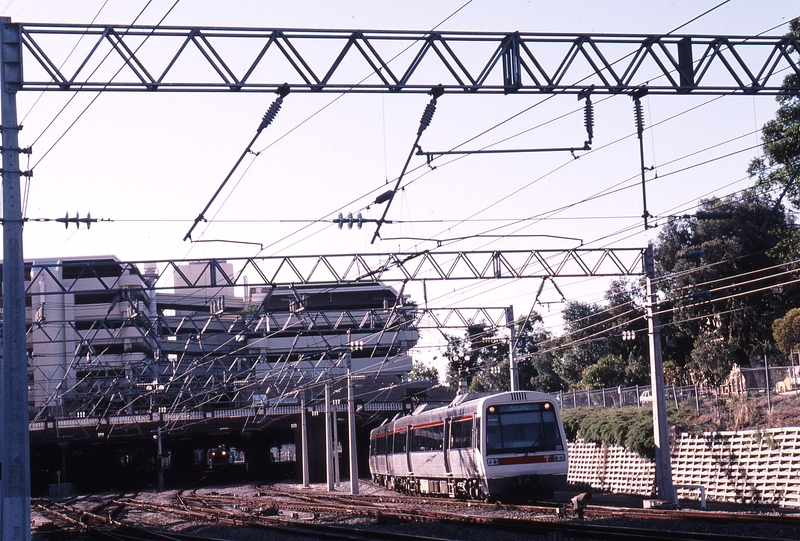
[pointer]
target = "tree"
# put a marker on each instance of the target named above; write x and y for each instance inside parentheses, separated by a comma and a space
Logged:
(615, 334)
(613, 370)
(460, 361)
(712, 359)
(491, 365)
(482, 357)
(781, 136)
(535, 354)
(423, 372)
(604, 373)
(584, 342)
(786, 331)
(723, 282)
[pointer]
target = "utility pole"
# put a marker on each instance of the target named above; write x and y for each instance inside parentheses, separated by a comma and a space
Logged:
(660, 434)
(335, 442)
(15, 484)
(351, 427)
(304, 438)
(328, 438)
(159, 459)
(512, 362)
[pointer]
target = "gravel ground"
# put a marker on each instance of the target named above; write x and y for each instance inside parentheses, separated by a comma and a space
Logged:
(169, 522)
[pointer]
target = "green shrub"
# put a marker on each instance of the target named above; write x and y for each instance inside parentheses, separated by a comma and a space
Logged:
(631, 428)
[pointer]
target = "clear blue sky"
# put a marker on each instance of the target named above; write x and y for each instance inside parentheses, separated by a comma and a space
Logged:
(150, 162)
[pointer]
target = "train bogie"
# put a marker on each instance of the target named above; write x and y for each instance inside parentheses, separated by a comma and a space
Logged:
(489, 446)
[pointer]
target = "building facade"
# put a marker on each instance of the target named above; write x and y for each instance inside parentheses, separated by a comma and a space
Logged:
(110, 339)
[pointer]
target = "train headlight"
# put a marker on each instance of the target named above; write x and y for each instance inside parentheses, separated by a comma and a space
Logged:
(493, 462)
(559, 458)
(547, 405)
(492, 409)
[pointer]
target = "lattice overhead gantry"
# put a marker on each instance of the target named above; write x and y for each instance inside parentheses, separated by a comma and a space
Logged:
(153, 58)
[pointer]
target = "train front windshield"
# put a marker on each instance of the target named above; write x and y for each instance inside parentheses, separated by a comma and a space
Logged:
(522, 428)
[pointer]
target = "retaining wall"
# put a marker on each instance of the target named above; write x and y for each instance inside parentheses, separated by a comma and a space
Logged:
(753, 466)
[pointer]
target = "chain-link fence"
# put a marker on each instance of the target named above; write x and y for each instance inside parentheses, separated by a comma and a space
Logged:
(762, 381)
(639, 395)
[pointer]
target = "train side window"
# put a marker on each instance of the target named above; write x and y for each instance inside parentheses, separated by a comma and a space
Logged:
(428, 438)
(381, 444)
(461, 434)
(400, 441)
(437, 437)
(417, 439)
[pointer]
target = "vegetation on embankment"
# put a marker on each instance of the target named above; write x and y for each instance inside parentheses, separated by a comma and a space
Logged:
(632, 427)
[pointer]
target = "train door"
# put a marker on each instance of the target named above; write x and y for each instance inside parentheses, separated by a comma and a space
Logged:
(389, 452)
(446, 447)
(408, 435)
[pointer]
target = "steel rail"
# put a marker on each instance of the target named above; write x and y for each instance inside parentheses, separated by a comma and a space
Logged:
(422, 512)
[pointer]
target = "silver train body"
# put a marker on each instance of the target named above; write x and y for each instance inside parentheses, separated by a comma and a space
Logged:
(495, 446)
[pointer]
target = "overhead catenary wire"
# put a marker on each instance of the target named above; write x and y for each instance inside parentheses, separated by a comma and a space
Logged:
(497, 287)
(266, 120)
(317, 112)
(505, 284)
(594, 241)
(743, 293)
(695, 19)
(692, 20)
(562, 345)
(424, 122)
(565, 342)
(212, 356)
(310, 235)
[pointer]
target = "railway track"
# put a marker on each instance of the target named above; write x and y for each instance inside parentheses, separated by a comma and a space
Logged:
(279, 512)
(545, 511)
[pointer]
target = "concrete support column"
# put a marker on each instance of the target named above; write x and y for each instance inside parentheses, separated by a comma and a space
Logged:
(15, 488)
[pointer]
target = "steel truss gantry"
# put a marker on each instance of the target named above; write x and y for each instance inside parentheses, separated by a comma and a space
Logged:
(116, 338)
(339, 269)
(264, 59)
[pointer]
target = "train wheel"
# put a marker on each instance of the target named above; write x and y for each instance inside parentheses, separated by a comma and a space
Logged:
(475, 491)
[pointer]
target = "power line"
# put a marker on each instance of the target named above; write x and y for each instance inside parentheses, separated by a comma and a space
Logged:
(307, 119)
(698, 17)
(93, 100)
(407, 184)
(482, 133)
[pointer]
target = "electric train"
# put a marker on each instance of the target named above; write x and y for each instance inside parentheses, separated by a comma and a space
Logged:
(507, 445)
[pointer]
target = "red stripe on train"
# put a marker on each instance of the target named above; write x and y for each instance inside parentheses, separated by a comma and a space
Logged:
(536, 459)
